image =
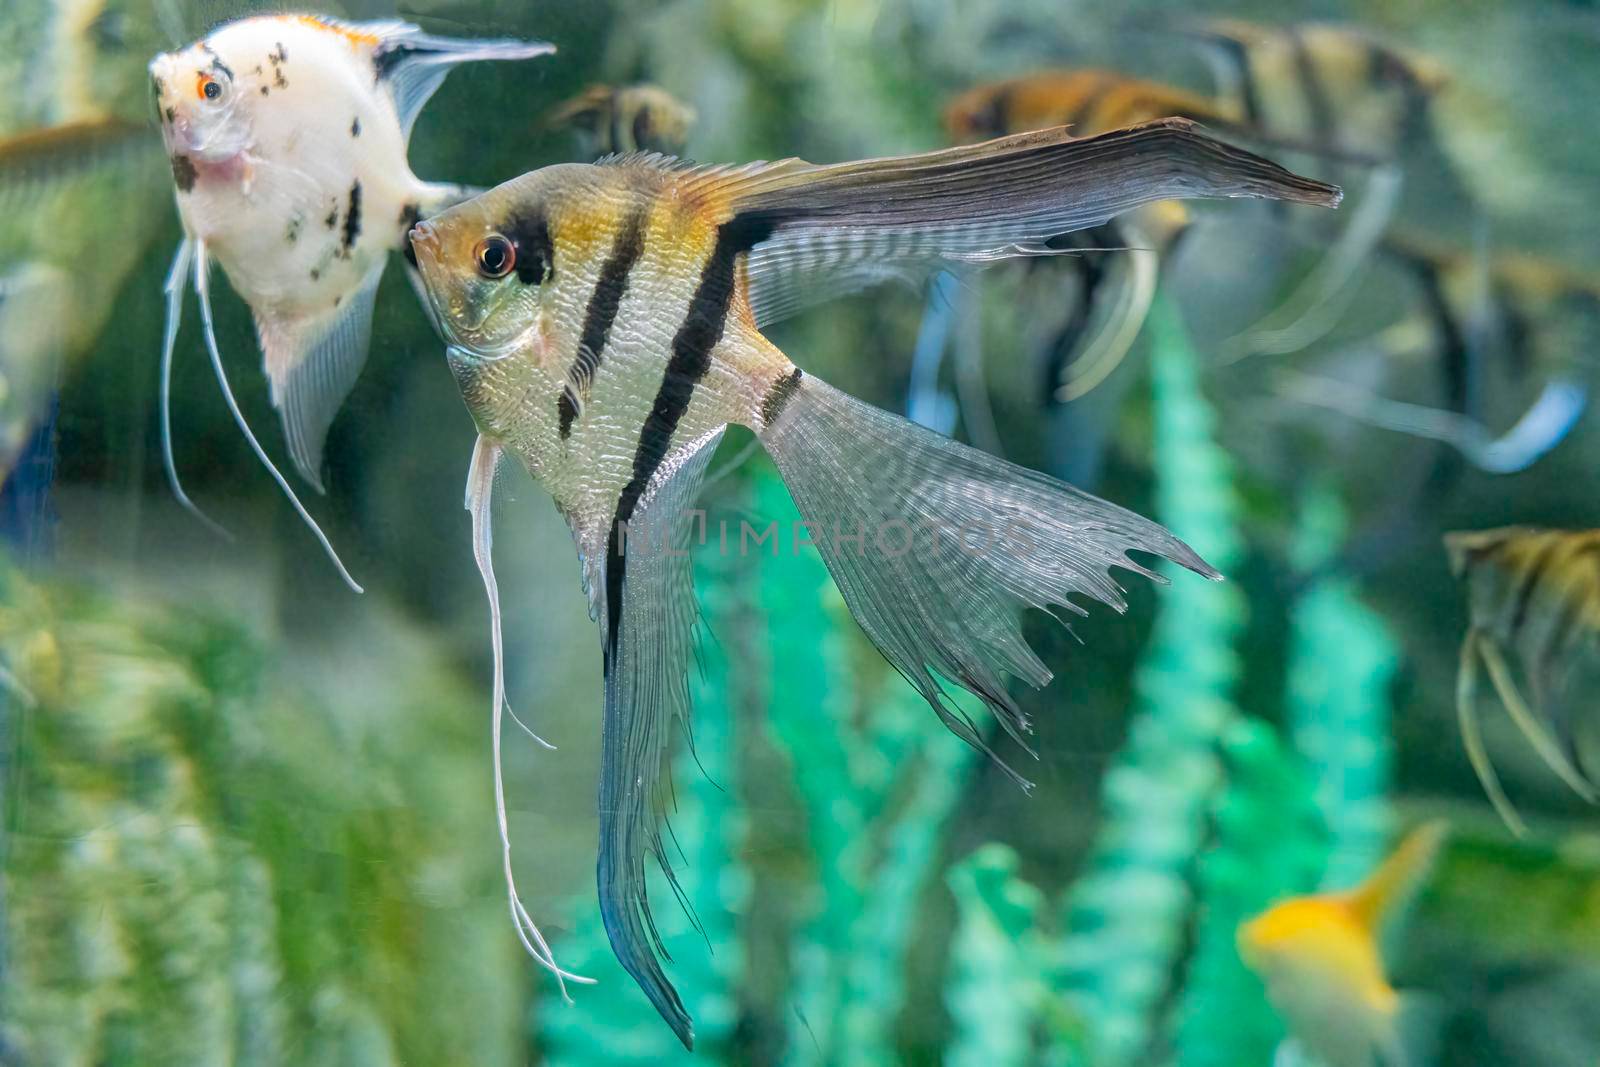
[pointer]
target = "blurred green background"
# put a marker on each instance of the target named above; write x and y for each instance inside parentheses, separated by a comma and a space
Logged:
(248, 816)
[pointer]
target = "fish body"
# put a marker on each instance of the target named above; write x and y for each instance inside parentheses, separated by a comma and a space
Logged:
(287, 136)
(605, 325)
(1118, 265)
(626, 118)
(1322, 963)
(1534, 598)
(1489, 323)
(76, 162)
(1089, 100)
(1334, 88)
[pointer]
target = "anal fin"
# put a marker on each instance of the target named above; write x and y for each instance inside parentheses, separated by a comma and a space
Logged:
(313, 365)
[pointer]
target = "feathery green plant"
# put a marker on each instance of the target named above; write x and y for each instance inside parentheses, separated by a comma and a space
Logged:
(1267, 843)
(996, 989)
(206, 865)
(1126, 917)
(1342, 661)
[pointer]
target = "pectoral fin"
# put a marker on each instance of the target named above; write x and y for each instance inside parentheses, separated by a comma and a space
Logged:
(312, 365)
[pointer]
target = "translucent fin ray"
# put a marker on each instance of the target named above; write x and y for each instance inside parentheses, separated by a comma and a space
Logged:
(828, 230)
(938, 548)
(646, 688)
(413, 64)
(312, 368)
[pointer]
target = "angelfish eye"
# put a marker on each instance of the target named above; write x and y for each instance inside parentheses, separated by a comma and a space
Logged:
(210, 88)
(495, 256)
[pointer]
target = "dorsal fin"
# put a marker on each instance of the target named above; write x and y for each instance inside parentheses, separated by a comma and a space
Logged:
(1392, 886)
(411, 64)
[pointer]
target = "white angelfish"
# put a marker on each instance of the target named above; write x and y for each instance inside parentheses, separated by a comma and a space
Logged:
(288, 138)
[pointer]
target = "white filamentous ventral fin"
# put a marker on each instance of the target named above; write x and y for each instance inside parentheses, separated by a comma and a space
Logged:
(486, 458)
(203, 292)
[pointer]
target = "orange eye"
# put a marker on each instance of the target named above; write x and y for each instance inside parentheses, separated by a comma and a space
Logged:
(208, 88)
(495, 255)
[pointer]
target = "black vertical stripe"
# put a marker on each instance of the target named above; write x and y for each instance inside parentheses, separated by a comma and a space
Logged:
(1082, 117)
(1323, 132)
(609, 290)
(1522, 600)
(691, 358)
(1249, 92)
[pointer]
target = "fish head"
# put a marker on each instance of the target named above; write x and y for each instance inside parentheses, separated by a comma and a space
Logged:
(485, 264)
(202, 102)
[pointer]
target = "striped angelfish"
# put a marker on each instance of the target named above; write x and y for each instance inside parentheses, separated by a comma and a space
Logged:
(1533, 594)
(604, 323)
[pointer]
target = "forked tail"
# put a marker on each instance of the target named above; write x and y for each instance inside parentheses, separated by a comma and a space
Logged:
(937, 546)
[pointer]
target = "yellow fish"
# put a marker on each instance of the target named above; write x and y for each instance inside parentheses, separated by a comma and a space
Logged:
(1320, 958)
(288, 138)
(605, 324)
(1536, 594)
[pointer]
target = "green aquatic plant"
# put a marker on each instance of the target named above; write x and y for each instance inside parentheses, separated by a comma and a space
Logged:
(1267, 842)
(1127, 916)
(1342, 662)
(205, 863)
(996, 989)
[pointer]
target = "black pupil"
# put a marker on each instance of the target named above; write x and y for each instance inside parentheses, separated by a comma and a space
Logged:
(213, 90)
(496, 256)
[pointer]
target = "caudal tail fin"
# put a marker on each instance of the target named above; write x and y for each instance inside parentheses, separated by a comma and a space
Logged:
(937, 547)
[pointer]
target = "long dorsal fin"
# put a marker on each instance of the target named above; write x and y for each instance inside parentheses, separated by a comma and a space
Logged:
(824, 230)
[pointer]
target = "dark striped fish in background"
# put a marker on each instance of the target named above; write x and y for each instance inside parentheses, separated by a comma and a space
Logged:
(288, 137)
(1117, 264)
(605, 323)
(625, 118)
(1533, 598)
(1490, 324)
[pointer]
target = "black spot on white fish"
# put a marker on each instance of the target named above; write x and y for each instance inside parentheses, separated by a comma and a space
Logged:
(410, 215)
(338, 300)
(352, 219)
(183, 172)
(333, 216)
(355, 126)
(258, 69)
(292, 232)
(263, 90)
(278, 55)
(220, 67)
(161, 86)
(279, 80)
(315, 274)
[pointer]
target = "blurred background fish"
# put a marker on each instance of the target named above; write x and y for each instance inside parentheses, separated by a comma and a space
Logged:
(74, 151)
(1533, 599)
(625, 118)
